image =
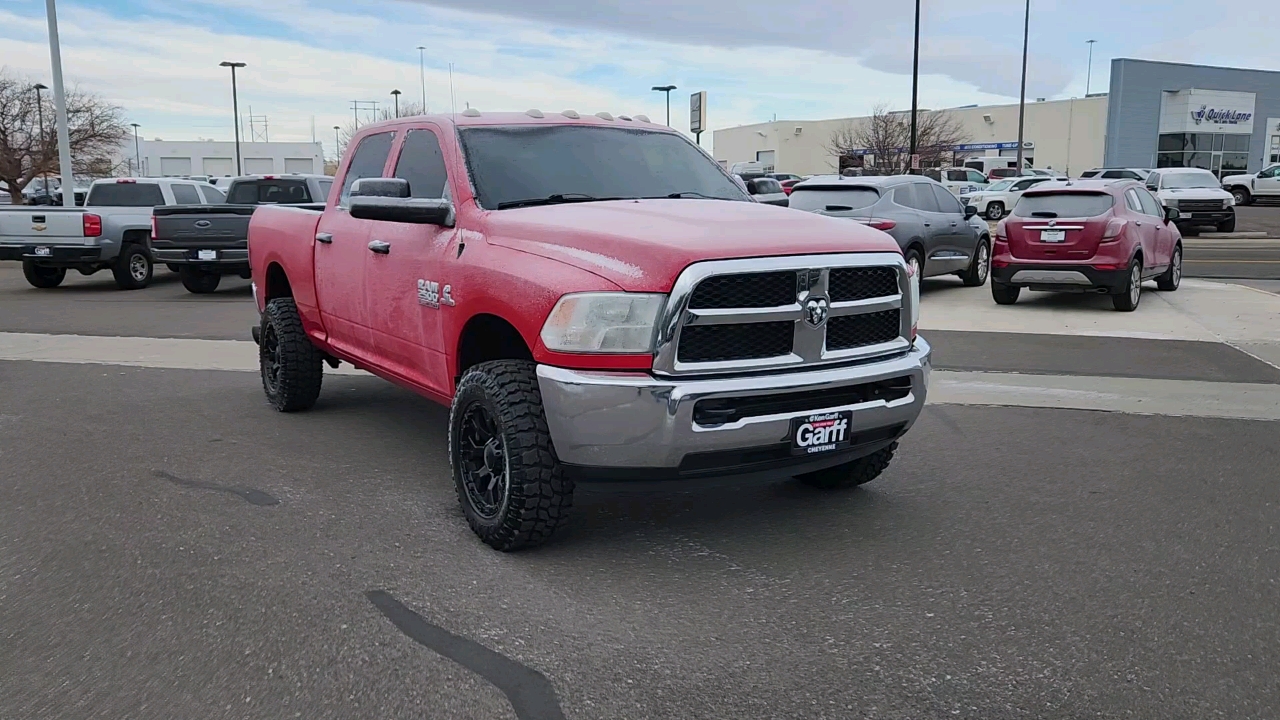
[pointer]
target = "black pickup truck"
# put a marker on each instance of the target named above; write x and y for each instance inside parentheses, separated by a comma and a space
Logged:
(204, 242)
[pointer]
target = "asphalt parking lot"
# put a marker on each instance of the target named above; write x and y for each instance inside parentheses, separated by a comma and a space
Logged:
(172, 547)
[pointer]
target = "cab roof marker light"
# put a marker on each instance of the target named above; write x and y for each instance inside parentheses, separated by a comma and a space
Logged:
(642, 118)
(534, 113)
(471, 112)
(624, 117)
(604, 116)
(571, 114)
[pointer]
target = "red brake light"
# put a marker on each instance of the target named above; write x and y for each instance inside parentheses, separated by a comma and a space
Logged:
(1115, 226)
(92, 224)
(153, 227)
(882, 224)
(125, 181)
(268, 177)
(1002, 235)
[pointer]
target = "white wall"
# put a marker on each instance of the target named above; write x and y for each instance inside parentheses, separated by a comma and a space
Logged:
(218, 158)
(1068, 134)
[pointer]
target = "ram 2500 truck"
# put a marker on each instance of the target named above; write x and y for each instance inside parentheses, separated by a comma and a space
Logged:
(595, 299)
(111, 232)
(205, 242)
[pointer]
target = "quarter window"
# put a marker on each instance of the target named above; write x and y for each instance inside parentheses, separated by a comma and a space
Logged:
(1131, 199)
(185, 195)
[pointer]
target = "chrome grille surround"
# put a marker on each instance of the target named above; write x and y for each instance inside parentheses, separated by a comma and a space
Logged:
(809, 347)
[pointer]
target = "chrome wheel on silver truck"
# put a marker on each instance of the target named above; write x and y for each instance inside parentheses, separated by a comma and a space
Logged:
(509, 482)
(132, 269)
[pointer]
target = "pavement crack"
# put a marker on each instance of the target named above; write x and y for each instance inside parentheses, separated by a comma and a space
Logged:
(530, 693)
(249, 495)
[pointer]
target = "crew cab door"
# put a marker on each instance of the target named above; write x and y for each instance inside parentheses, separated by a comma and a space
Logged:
(406, 289)
(342, 244)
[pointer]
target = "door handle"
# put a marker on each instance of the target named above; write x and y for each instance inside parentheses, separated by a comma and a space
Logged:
(928, 224)
(953, 223)
(1138, 223)
(325, 238)
(380, 247)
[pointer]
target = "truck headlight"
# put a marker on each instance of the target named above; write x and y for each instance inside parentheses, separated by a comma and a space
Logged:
(604, 322)
(913, 296)
(1228, 203)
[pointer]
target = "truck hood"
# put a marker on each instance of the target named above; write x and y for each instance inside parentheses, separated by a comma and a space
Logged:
(1237, 179)
(1194, 194)
(642, 245)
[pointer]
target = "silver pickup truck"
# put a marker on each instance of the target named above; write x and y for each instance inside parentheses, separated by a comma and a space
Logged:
(111, 232)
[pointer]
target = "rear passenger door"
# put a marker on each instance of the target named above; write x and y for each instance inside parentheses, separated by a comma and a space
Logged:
(1147, 230)
(957, 240)
(932, 223)
(1165, 233)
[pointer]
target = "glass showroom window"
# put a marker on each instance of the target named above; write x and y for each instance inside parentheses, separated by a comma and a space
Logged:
(1216, 152)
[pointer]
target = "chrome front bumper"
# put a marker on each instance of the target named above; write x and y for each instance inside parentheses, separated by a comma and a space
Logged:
(640, 421)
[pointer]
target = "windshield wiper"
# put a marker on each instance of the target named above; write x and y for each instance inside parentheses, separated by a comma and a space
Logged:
(690, 194)
(1044, 213)
(556, 199)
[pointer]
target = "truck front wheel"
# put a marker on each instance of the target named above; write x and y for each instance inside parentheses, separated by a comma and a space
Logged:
(292, 368)
(509, 482)
(199, 281)
(42, 277)
(859, 472)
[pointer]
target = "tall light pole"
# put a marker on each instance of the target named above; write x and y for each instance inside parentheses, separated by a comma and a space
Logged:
(1089, 74)
(40, 117)
(137, 149)
(60, 107)
(337, 145)
(1022, 99)
(915, 90)
(666, 89)
(235, 106)
(396, 94)
(422, 76)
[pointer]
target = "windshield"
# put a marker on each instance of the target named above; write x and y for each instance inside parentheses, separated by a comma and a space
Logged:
(1002, 185)
(1067, 204)
(1189, 180)
(130, 194)
(514, 166)
(824, 197)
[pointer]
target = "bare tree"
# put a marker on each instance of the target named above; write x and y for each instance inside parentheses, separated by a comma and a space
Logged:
(883, 139)
(97, 130)
(348, 131)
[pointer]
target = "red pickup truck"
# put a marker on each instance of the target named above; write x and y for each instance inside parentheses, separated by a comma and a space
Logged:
(595, 299)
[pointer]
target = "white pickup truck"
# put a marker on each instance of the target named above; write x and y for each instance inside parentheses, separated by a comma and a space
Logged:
(112, 231)
(1244, 188)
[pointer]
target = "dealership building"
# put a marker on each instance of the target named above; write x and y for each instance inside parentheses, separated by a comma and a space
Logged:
(1155, 114)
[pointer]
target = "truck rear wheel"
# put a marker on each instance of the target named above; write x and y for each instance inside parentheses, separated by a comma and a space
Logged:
(859, 472)
(132, 268)
(199, 281)
(42, 277)
(510, 484)
(292, 367)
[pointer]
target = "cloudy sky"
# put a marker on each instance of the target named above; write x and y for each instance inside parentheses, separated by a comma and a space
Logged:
(307, 59)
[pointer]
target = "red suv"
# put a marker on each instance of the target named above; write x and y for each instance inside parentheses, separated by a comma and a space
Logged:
(1103, 236)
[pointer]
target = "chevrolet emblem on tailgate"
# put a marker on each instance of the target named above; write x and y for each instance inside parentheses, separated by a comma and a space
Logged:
(38, 226)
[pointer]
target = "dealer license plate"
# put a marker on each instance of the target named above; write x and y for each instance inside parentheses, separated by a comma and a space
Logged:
(820, 433)
(206, 254)
(1053, 235)
(44, 251)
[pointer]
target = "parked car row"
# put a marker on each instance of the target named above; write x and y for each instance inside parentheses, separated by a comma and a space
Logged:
(127, 225)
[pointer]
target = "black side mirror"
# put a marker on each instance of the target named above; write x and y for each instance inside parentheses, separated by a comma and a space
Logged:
(416, 211)
(970, 211)
(1171, 214)
(380, 187)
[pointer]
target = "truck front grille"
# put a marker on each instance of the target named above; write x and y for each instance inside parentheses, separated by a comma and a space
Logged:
(1189, 206)
(763, 313)
(749, 341)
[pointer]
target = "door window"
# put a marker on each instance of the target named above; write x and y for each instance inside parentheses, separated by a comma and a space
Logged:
(185, 195)
(370, 158)
(421, 162)
(212, 195)
(917, 196)
(1150, 205)
(1023, 185)
(977, 177)
(947, 202)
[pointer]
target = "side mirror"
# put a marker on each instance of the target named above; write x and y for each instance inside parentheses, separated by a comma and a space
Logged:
(416, 211)
(380, 187)
(1171, 214)
(970, 211)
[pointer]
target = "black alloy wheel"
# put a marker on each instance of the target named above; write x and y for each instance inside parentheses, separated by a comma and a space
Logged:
(482, 460)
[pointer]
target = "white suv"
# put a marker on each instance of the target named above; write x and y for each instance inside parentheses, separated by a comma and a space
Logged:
(999, 198)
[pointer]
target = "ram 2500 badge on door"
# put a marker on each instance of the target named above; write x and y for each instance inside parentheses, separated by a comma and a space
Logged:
(595, 299)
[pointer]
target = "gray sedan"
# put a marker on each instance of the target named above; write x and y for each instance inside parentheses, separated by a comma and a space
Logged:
(937, 234)
(765, 190)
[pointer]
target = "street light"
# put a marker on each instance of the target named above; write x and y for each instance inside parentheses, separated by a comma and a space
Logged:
(1022, 99)
(1089, 75)
(40, 115)
(666, 89)
(337, 145)
(137, 152)
(235, 106)
(915, 89)
(60, 106)
(422, 76)
(396, 94)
